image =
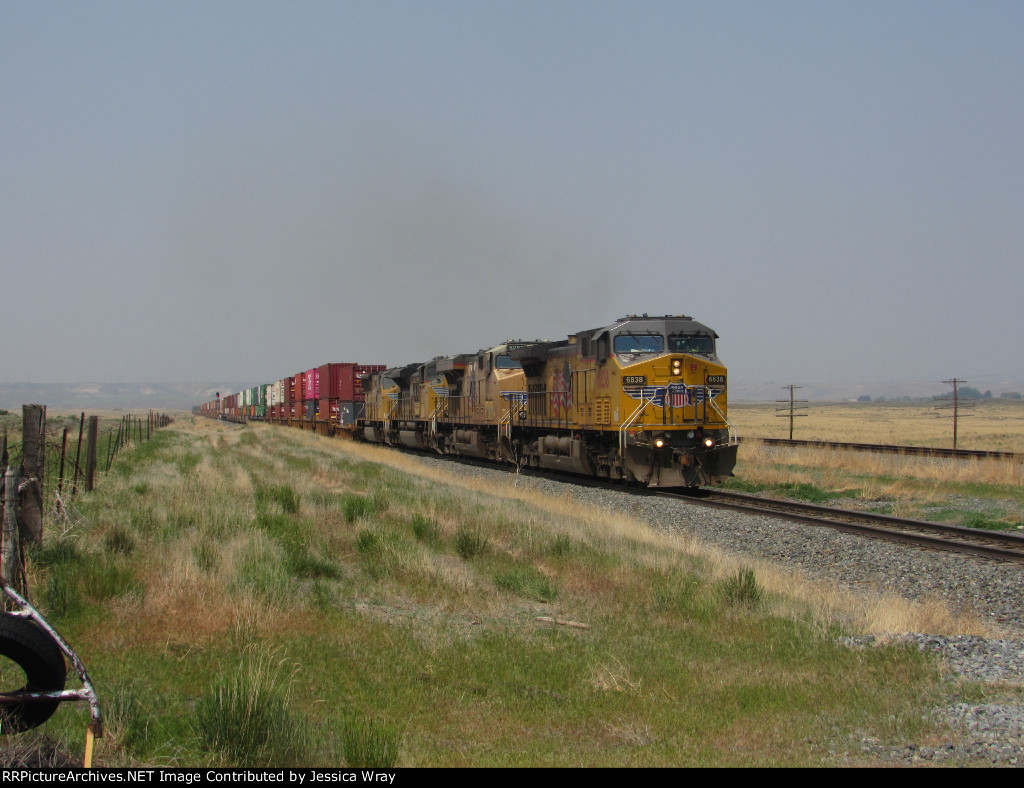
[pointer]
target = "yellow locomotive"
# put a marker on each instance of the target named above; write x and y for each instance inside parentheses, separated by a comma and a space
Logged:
(642, 400)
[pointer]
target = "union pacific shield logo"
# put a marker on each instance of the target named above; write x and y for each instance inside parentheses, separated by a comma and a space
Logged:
(679, 395)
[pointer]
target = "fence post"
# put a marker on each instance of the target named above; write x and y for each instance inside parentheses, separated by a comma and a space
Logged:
(78, 456)
(60, 479)
(10, 552)
(33, 458)
(90, 453)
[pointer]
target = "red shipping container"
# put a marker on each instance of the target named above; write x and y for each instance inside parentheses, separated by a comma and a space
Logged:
(341, 381)
(336, 381)
(311, 384)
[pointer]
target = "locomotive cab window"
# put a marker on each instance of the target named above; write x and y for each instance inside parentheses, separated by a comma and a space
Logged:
(691, 343)
(504, 361)
(639, 343)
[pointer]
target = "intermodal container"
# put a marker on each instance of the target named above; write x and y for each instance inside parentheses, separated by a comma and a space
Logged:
(311, 385)
(341, 381)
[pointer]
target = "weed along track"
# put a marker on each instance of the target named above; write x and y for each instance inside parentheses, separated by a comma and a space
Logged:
(1002, 546)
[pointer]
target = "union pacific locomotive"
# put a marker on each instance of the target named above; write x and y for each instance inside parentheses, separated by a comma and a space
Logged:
(642, 400)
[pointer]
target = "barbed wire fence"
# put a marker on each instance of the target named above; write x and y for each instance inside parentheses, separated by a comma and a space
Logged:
(43, 467)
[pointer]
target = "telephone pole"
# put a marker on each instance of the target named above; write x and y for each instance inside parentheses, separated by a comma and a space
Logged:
(956, 406)
(792, 408)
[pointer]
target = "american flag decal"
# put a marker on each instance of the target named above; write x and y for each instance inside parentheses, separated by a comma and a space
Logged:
(561, 391)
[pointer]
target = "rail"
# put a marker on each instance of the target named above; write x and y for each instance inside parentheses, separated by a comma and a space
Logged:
(883, 448)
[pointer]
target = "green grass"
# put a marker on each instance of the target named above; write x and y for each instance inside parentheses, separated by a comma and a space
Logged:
(410, 623)
(470, 541)
(368, 743)
(801, 491)
(246, 717)
(528, 582)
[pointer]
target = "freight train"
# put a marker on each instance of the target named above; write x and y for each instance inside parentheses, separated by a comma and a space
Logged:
(643, 400)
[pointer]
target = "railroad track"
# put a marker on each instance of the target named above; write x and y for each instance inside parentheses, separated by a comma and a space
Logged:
(998, 545)
(884, 448)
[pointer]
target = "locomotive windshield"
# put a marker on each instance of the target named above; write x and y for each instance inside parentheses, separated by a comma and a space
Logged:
(505, 361)
(639, 343)
(691, 343)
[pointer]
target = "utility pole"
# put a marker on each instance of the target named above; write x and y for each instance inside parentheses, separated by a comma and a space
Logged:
(791, 409)
(957, 406)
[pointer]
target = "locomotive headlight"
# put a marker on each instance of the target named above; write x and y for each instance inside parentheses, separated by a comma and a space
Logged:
(709, 442)
(677, 367)
(659, 442)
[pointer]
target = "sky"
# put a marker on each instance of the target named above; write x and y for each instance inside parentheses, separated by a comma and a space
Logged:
(220, 190)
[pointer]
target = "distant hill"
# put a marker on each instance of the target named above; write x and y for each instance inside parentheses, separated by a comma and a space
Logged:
(840, 392)
(117, 396)
(182, 396)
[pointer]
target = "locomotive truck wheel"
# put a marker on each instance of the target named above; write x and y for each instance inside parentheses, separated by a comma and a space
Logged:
(35, 652)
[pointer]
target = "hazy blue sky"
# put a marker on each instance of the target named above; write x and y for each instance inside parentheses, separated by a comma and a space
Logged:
(241, 190)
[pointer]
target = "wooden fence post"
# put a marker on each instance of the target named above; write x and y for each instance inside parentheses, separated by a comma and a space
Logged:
(10, 549)
(33, 458)
(60, 479)
(90, 453)
(78, 456)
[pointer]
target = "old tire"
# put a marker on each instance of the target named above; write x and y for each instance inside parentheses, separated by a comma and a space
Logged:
(36, 653)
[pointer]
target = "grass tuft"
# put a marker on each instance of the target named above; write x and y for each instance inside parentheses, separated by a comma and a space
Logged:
(367, 743)
(742, 589)
(247, 718)
(470, 542)
(424, 529)
(282, 495)
(527, 582)
(118, 540)
(355, 506)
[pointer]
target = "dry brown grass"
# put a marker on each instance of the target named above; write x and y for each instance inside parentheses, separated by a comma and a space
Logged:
(795, 594)
(832, 468)
(994, 425)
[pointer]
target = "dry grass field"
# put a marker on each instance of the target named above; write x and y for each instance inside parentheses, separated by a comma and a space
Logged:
(975, 493)
(990, 425)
